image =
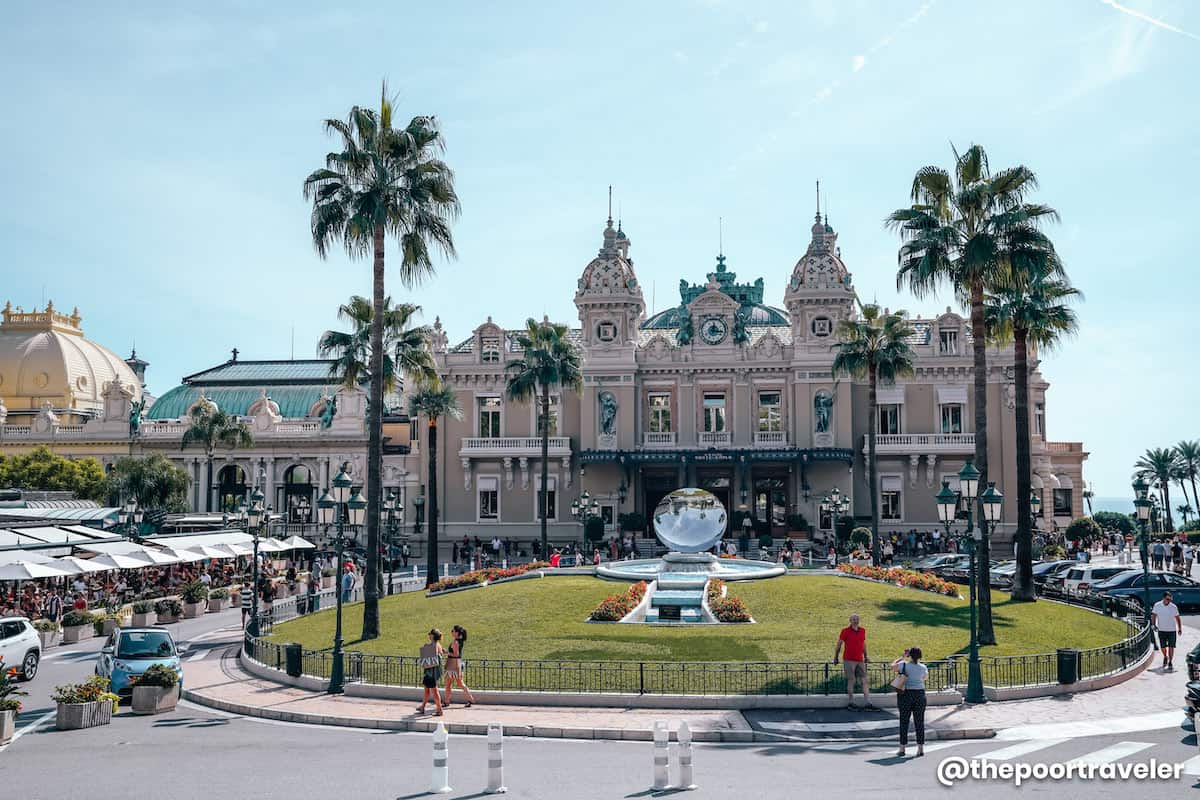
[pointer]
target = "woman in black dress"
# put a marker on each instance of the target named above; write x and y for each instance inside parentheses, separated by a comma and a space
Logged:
(455, 664)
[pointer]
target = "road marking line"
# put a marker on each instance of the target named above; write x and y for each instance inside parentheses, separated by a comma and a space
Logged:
(1192, 766)
(1076, 730)
(27, 728)
(1114, 753)
(1020, 749)
(199, 655)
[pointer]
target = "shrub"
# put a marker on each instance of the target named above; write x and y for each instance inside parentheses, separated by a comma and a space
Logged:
(902, 577)
(1114, 521)
(9, 692)
(194, 592)
(92, 690)
(45, 626)
(1053, 552)
(484, 576)
(159, 675)
(633, 521)
(594, 529)
(1083, 529)
(327, 572)
(861, 537)
(143, 607)
(797, 522)
(726, 608)
(616, 607)
(74, 618)
(168, 607)
(218, 594)
(766, 541)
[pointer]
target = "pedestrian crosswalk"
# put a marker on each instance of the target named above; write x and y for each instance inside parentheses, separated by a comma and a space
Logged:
(1094, 751)
(1019, 749)
(1116, 752)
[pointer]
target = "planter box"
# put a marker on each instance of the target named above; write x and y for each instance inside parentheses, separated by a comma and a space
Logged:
(49, 638)
(107, 626)
(8, 726)
(327, 582)
(281, 591)
(73, 716)
(193, 610)
(144, 620)
(166, 619)
(217, 604)
(77, 633)
(154, 699)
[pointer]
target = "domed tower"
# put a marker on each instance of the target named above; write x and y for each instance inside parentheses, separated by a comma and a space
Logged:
(819, 294)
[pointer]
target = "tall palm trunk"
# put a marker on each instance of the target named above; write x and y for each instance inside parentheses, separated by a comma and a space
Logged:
(1023, 578)
(987, 634)
(1196, 507)
(545, 462)
(431, 538)
(209, 489)
(1166, 500)
(370, 627)
(872, 467)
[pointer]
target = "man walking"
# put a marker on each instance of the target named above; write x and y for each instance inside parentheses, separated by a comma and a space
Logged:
(347, 584)
(854, 639)
(1169, 624)
(247, 599)
(405, 553)
(1159, 552)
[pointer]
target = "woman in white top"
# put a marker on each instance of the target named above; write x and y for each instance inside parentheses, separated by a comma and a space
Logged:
(911, 698)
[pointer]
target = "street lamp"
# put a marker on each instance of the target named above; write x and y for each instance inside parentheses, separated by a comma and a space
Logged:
(130, 518)
(1141, 505)
(584, 508)
(337, 505)
(251, 518)
(968, 482)
(393, 513)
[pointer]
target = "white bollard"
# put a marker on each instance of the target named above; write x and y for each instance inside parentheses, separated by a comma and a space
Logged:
(445, 570)
(440, 782)
(686, 780)
(662, 737)
(495, 739)
(414, 572)
(505, 562)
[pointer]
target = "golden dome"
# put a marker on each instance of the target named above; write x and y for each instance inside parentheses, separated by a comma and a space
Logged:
(45, 357)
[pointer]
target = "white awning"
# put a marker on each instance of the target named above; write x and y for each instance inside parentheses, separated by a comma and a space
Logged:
(298, 543)
(950, 395)
(889, 395)
(112, 548)
(206, 539)
(1065, 482)
(9, 556)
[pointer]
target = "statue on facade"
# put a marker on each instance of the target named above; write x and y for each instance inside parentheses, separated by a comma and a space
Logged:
(684, 336)
(608, 414)
(135, 417)
(741, 335)
(328, 412)
(823, 411)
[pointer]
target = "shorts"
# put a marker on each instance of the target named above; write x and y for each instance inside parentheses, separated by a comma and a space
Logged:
(430, 679)
(854, 669)
(1166, 639)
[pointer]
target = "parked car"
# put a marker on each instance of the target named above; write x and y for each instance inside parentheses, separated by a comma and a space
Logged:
(1002, 576)
(1128, 587)
(131, 651)
(20, 646)
(959, 571)
(1045, 570)
(1079, 580)
(931, 563)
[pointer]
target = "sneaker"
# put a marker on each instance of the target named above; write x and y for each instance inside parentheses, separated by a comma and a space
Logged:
(870, 707)
(851, 707)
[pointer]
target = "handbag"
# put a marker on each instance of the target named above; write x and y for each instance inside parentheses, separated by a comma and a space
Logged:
(900, 680)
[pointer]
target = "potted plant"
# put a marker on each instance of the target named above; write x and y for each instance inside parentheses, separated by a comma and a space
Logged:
(860, 540)
(168, 610)
(594, 529)
(217, 599)
(77, 626)
(195, 599)
(110, 621)
(10, 706)
(797, 526)
(327, 578)
(47, 631)
(156, 690)
(634, 522)
(143, 614)
(84, 705)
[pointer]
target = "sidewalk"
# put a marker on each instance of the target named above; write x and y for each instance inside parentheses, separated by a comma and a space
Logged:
(1150, 700)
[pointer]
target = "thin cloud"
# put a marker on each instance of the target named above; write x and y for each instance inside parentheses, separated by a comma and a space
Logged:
(860, 61)
(1158, 23)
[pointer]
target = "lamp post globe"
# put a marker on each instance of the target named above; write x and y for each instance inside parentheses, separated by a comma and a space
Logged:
(947, 504)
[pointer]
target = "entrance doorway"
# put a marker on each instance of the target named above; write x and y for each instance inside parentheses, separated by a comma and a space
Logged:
(231, 487)
(719, 483)
(656, 486)
(771, 504)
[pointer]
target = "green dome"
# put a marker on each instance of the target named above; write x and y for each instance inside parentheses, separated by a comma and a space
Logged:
(759, 315)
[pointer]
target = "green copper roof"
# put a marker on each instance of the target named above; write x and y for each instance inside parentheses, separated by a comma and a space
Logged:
(294, 401)
(748, 295)
(264, 373)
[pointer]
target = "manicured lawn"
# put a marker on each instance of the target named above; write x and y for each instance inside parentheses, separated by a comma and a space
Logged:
(798, 619)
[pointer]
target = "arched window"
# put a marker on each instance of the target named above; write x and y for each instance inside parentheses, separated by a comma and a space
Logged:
(231, 485)
(298, 493)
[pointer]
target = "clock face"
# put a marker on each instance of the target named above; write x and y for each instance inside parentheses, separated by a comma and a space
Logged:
(713, 331)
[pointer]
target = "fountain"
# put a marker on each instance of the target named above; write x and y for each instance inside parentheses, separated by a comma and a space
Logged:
(689, 522)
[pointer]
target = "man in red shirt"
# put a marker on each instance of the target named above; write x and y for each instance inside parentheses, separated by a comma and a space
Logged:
(854, 639)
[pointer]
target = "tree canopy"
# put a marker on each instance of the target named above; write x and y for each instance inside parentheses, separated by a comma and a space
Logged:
(154, 482)
(41, 469)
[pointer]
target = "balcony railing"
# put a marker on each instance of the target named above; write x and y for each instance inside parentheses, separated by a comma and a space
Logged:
(922, 442)
(514, 445)
(714, 438)
(660, 439)
(770, 438)
(1064, 447)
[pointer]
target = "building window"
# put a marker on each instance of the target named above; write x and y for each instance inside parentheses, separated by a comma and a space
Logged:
(770, 412)
(489, 417)
(1062, 503)
(1039, 419)
(488, 489)
(606, 331)
(889, 419)
(490, 349)
(660, 413)
(822, 326)
(948, 343)
(952, 415)
(825, 522)
(551, 496)
(890, 498)
(714, 412)
(552, 415)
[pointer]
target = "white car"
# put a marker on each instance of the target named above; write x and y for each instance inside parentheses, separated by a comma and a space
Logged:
(20, 646)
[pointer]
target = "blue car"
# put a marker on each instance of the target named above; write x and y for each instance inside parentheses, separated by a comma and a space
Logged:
(131, 651)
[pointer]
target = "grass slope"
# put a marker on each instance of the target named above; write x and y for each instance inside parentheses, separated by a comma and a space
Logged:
(798, 619)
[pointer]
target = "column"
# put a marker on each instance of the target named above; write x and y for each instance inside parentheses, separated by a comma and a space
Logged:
(324, 478)
(206, 500)
(269, 489)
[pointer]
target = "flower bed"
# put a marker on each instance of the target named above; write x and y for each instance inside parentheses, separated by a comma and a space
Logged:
(615, 607)
(482, 576)
(724, 606)
(902, 577)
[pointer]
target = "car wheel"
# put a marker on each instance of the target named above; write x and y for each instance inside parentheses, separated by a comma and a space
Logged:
(29, 667)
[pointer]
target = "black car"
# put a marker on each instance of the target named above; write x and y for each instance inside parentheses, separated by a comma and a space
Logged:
(1127, 587)
(1044, 570)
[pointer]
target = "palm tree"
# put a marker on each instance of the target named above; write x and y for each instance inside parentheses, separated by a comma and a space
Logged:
(433, 400)
(405, 350)
(1088, 494)
(209, 426)
(385, 180)
(549, 359)
(1158, 465)
(1029, 310)
(1187, 455)
(957, 230)
(1184, 511)
(876, 347)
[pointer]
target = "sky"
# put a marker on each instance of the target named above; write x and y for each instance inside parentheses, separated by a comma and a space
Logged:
(157, 151)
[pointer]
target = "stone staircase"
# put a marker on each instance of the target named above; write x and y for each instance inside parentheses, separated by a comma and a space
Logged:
(678, 598)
